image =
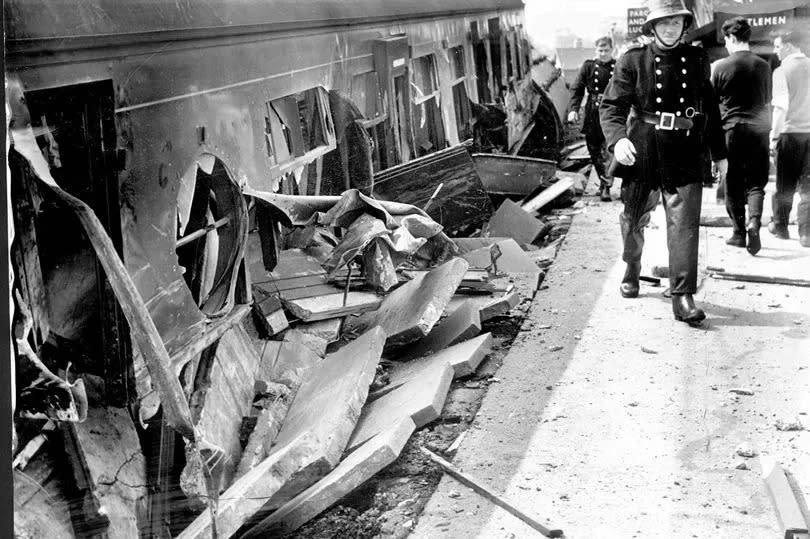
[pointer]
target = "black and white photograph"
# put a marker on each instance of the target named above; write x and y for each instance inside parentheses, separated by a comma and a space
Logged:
(406, 269)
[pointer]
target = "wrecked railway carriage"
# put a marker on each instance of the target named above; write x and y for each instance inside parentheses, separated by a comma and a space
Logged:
(171, 169)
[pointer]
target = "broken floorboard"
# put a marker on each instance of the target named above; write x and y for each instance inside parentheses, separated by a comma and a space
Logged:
(248, 493)
(512, 221)
(354, 470)
(464, 358)
(460, 325)
(327, 405)
(534, 203)
(421, 399)
(409, 312)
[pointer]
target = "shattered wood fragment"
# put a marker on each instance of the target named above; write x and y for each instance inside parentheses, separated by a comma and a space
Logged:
(269, 312)
(512, 175)
(333, 305)
(380, 272)
(512, 222)
(460, 325)
(268, 424)
(547, 195)
(464, 358)
(247, 495)
(212, 334)
(329, 330)
(224, 395)
(488, 306)
(512, 259)
(463, 202)
(409, 312)
(22, 458)
(354, 470)
(328, 405)
(110, 471)
(315, 343)
(421, 399)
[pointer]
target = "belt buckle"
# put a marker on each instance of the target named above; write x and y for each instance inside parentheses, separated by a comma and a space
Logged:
(667, 121)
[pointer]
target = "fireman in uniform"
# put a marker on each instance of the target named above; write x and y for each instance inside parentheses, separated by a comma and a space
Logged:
(594, 76)
(660, 117)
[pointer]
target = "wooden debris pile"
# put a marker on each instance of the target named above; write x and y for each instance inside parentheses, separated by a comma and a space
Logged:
(350, 318)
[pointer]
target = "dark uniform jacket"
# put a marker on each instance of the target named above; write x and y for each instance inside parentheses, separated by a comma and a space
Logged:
(593, 76)
(647, 81)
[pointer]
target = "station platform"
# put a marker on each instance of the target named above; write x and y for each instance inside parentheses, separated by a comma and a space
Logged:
(611, 419)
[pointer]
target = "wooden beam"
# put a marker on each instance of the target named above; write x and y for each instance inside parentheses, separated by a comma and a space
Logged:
(752, 278)
(489, 494)
(547, 195)
(788, 511)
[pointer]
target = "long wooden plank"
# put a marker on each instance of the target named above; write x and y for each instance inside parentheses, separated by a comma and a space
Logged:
(421, 399)
(354, 470)
(312, 309)
(142, 327)
(489, 494)
(248, 493)
(328, 404)
(788, 511)
(409, 312)
(548, 194)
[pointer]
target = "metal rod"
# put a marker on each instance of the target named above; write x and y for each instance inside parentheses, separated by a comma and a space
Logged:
(433, 196)
(203, 231)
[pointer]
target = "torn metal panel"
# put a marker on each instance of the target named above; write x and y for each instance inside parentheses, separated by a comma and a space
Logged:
(142, 327)
(357, 237)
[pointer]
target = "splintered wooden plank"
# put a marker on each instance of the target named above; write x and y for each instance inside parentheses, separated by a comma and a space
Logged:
(513, 259)
(285, 362)
(110, 471)
(500, 305)
(460, 325)
(248, 493)
(354, 470)
(464, 358)
(511, 221)
(333, 305)
(421, 399)
(227, 396)
(328, 404)
(409, 312)
(328, 330)
(547, 195)
(788, 511)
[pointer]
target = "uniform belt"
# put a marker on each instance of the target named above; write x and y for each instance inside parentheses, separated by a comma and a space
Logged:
(666, 120)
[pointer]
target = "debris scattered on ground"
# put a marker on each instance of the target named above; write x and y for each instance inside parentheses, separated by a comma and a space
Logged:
(789, 425)
(648, 350)
(741, 391)
(746, 450)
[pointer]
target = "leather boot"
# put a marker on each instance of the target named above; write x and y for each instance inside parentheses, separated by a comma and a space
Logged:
(754, 244)
(629, 286)
(604, 191)
(737, 239)
(779, 230)
(683, 307)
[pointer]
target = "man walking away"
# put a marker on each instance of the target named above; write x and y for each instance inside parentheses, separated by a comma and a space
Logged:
(790, 136)
(742, 82)
(661, 117)
(594, 76)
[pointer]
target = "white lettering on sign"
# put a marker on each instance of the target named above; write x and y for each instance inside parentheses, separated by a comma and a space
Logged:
(399, 62)
(767, 21)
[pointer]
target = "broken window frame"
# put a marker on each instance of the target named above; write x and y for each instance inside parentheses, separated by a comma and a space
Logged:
(377, 127)
(458, 86)
(284, 129)
(429, 104)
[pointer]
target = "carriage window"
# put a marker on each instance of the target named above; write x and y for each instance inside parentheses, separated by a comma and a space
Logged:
(495, 51)
(481, 72)
(298, 128)
(426, 119)
(508, 58)
(367, 96)
(461, 103)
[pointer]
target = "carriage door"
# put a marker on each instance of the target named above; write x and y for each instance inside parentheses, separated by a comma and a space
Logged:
(391, 63)
(75, 130)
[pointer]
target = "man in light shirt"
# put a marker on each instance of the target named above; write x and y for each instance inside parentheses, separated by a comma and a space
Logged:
(790, 136)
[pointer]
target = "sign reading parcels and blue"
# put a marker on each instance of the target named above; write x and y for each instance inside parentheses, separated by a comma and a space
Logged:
(635, 20)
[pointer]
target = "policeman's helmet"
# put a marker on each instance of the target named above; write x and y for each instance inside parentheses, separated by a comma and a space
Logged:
(661, 9)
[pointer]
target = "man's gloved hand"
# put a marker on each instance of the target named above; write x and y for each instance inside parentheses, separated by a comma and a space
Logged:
(573, 117)
(720, 168)
(625, 152)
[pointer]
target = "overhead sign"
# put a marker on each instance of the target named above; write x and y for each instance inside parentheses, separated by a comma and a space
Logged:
(763, 25)
(635, 20)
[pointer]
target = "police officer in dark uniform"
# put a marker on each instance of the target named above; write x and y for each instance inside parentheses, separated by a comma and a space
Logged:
(594, 76)
(664, 90)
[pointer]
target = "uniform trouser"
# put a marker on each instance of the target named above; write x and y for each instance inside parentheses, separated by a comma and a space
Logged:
(792, 172)
(683, 226)
(597, 149)
(747, 175)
